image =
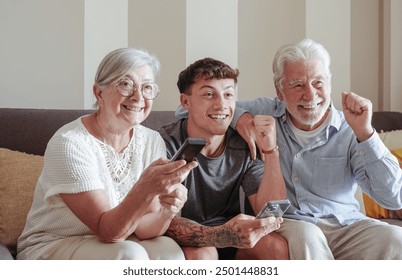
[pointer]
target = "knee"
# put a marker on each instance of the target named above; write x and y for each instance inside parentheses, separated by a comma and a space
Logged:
(200, 253)
(276, 246)
(391, 245)
(279, 246)
(129, 250)
(169, 249)
(304, 232)
(271, 247)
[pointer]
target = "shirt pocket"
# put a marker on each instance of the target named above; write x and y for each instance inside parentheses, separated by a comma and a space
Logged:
(331, 176)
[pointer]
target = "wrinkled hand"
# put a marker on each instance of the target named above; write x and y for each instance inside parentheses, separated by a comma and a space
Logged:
(266, 133)
(247, 131)
(244, 231)
(162, 176)
(258, 131)
(358, 112)
(174, 201)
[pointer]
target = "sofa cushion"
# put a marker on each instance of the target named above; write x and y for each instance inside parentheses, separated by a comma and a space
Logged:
(19, 173)
(393, 141)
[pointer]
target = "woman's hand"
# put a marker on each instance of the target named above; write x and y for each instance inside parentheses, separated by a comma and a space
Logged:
(141, 205)
(174, 201)
(163, 176)
(164, 208)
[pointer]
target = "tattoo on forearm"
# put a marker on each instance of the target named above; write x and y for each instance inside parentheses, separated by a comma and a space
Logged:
(189, 233)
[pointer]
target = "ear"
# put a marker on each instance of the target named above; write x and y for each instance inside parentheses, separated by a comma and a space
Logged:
(278, 92)
(184, 100)
(97, 93)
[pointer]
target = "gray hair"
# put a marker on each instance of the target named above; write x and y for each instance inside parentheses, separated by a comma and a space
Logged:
(119, 62)
(306, 49)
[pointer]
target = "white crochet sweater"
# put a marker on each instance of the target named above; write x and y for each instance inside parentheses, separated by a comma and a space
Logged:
(75, 162)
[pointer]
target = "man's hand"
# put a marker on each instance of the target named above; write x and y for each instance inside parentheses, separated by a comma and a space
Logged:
(247, 131)
(358, 112)
(245, 231)
(258, 131)
(266, 133)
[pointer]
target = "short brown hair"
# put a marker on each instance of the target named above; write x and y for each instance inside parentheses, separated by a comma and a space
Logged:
(206, 68)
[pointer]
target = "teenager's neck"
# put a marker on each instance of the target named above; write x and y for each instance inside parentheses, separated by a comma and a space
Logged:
(215, 143)
(215, 146)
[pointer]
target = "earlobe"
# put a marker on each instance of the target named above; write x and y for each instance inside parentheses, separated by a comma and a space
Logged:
(184, 100)
(97, 92)
(279, 93)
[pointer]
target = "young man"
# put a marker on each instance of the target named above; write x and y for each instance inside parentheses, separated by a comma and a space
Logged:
(325, 154)
(211, 223)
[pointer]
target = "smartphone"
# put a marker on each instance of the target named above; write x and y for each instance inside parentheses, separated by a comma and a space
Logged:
(274, 208)
(190, 149)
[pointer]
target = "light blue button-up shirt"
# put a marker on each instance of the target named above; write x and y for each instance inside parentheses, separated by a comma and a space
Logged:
(322, 177)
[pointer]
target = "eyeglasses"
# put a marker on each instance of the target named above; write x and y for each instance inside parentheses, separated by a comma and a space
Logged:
(127, 87)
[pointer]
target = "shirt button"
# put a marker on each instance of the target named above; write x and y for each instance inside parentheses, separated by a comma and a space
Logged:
(296, 179)
(362, 153)
(298, 155)
(300, 198)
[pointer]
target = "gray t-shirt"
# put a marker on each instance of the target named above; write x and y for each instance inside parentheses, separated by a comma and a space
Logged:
(213, 186)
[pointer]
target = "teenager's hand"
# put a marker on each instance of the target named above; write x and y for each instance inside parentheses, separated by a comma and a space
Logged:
(244, 231)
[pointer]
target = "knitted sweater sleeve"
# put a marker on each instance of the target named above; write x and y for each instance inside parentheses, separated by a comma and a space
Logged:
(71, 166)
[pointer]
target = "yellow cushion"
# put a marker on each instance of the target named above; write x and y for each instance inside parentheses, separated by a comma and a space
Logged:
(398, 154)
(19, 173)
(393, 141)
(374, 210)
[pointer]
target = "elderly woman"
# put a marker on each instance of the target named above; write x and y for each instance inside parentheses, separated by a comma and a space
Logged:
(106, 190)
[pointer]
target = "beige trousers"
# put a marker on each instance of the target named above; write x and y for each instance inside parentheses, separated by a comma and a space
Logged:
(367, 239)
(89, 247)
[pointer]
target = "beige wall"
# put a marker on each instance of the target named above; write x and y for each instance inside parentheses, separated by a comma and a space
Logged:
(106, 29)
(41, 53)
(328, 22)
(365, 50)
(164, 34)
(263, 27)
(50, 49)
(394, 65)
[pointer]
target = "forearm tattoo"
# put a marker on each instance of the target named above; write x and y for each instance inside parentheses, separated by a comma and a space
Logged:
(189, 233)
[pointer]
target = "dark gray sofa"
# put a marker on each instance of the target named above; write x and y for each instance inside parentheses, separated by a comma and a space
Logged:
(29, 130)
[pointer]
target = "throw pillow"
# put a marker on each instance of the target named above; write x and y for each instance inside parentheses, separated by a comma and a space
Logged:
(393, 141)
(398, 154)
(19, 173)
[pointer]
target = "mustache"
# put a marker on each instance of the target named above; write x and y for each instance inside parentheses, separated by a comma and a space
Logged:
(310, 103)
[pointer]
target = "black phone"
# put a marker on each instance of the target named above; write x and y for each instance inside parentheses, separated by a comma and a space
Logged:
(189, 149)
(274, 208)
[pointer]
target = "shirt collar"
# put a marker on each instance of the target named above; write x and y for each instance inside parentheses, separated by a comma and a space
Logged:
(336, 120)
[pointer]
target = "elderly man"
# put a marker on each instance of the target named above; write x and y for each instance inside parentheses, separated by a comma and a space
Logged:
(325, 154)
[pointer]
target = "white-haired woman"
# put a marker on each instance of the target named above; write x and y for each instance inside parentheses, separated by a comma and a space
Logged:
(107, 190)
